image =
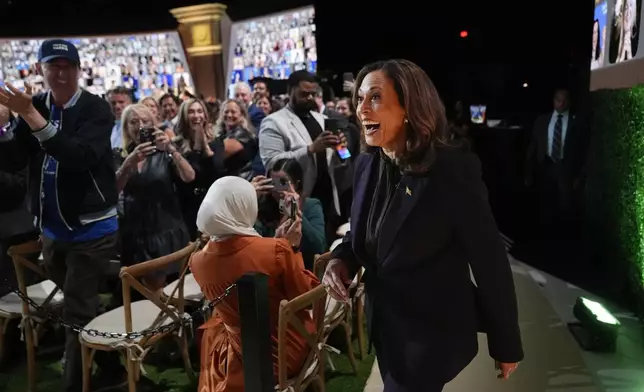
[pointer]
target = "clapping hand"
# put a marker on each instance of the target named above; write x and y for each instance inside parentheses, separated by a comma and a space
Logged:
(16, 100)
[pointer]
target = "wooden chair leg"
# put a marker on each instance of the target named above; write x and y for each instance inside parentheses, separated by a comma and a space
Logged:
(86, 355)
(182, 341)
(132, 368)
(352, 357)
(360, 328)
(3, 345)
(31, 355)
(320, 384)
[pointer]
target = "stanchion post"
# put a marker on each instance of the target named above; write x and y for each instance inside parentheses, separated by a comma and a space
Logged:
(252, 291)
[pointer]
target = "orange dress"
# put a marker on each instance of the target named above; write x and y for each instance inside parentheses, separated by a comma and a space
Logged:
(219, 265)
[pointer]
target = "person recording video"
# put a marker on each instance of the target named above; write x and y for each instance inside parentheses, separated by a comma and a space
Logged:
(280, 198)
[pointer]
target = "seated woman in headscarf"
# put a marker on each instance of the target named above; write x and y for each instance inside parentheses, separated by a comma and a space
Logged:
(227, 216)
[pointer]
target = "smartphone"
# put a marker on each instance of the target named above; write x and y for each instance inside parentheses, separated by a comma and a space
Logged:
(147, 135)
(280, 183)
(336, 125)
(288, 207)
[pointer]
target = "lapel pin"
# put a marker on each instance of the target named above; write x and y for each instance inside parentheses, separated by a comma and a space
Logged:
(408, 191)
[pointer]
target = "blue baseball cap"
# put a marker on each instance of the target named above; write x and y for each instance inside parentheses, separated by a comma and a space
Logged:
(53, 49)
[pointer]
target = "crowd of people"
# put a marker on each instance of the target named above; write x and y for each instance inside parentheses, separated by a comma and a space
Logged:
(268, 183)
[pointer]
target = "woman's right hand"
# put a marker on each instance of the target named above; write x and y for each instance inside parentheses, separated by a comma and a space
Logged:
(291, 230)
(139, 154)
(336, 279)
(262, 184)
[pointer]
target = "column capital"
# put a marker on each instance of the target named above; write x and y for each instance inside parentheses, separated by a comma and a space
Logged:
(199, 13)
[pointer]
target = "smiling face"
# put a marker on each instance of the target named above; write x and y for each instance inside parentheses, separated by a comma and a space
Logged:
(232, 115)
(61, 75)
(380, 112)
(196, 115)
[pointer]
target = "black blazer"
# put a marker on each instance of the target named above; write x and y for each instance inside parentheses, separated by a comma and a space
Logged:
(420, 285)
(574, 146)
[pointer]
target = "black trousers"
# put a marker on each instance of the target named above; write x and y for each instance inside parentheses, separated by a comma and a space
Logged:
(429, 383)
(79, 269)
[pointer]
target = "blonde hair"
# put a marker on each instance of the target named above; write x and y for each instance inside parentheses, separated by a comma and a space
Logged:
(156, 104)
(127, 134)
(245, 119)
(183, 129)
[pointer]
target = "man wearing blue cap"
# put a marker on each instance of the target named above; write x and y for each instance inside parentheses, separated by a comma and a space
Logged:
(66, 132)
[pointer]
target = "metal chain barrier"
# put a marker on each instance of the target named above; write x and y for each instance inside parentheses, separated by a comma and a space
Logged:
(185, 319)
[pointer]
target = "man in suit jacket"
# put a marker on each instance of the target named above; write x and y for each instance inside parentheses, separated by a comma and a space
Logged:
(555, 159)
(244, 94)
(297, 132)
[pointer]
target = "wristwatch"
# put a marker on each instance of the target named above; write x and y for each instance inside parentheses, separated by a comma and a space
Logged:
(296, 249)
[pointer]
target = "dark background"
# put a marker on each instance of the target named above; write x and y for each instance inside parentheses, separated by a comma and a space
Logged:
(509, 42)
(544, 44)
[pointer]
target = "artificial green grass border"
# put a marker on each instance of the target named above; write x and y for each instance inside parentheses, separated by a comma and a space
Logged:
(14, 378)
(614, 193)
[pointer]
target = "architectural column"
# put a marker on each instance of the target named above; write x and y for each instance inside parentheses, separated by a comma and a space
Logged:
(200, 31)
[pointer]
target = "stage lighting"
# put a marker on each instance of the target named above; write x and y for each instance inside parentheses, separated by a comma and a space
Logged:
(597, 328)
(464, 34)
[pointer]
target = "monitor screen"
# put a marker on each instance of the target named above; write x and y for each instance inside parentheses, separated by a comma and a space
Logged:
(625, 29)
(273, 46)
(478, 114)
(149, 64)
(599, 34)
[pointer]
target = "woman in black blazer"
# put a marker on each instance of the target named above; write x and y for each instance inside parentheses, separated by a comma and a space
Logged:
(420, 219)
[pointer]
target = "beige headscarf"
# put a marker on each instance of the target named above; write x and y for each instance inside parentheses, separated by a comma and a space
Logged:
(229, 208)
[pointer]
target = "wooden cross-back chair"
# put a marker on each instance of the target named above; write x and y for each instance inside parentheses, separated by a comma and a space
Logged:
(192, 294)
(45, 294)
(313, 369)
(152, 312)
(339, 314)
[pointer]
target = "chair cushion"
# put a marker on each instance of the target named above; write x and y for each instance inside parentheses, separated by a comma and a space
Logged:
(335, 244)
(11, 304)
(191, 290)
(343, 229)
(143, 315)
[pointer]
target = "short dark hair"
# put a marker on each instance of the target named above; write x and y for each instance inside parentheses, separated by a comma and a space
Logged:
(297, 77)
(120, 90)
(426, 120)
(168, 95)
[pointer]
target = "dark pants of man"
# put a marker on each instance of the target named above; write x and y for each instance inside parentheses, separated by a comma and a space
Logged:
(427, 384)
(79, 268)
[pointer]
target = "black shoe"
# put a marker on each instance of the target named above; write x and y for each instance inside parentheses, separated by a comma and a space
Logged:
(109, 381)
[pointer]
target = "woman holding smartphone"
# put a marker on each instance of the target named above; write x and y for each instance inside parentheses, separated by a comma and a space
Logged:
(152, 224)
(280, 199)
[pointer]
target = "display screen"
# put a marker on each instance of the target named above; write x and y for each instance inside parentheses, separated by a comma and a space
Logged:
(624, 30)
(149, 64)
(273, 46)
(478, 113)
(599, 34)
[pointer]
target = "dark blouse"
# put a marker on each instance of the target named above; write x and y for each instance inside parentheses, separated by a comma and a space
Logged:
(152, 223)
(241, 163)
(389, 177)
(207, 170)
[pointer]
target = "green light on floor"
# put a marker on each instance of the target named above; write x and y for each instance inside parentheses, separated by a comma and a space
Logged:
(600, 312)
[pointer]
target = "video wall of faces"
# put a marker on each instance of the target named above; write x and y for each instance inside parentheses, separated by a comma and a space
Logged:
(273, 46)
(149, 64)
(616, 32)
